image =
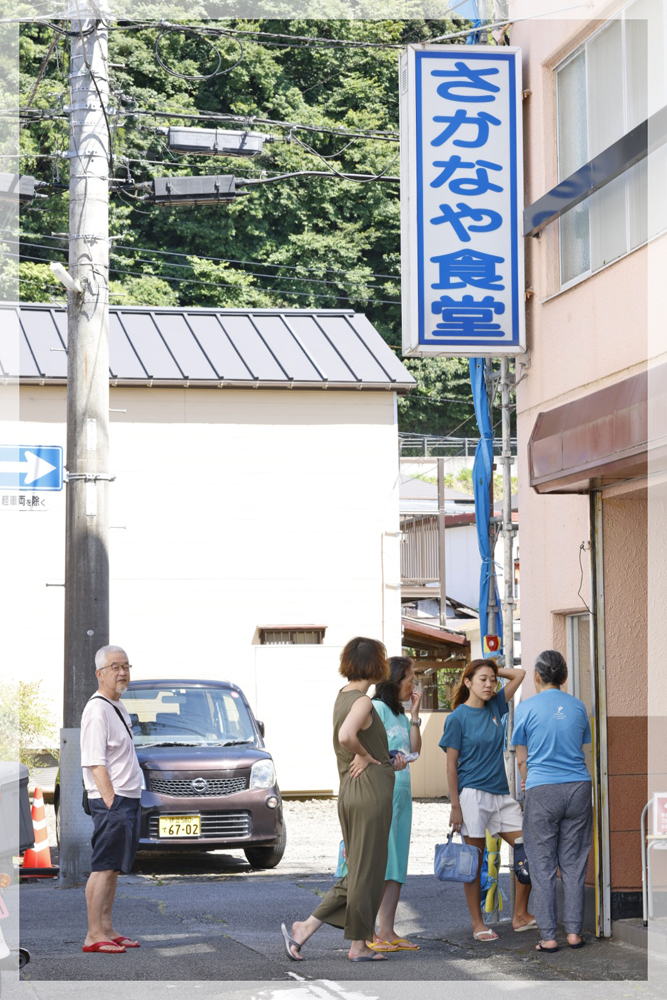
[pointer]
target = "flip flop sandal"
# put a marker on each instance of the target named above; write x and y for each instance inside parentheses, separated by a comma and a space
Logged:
(289, 944)
(104, 948)
(580, 944)
(526, 927)
(368, 958)
(379, 945)
(540, 947)
(482, 936)
(126, 941)
(402, 944)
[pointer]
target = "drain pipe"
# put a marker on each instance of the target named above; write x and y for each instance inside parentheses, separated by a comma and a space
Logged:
(599, 701)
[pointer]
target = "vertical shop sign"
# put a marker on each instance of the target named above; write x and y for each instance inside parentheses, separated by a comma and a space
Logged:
(461, 201)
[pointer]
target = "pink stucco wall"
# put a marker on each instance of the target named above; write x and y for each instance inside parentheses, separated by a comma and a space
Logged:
(579, 340)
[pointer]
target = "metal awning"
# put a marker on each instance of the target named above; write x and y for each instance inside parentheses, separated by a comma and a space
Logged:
(237, 348)
(418, 635)
(602, 438)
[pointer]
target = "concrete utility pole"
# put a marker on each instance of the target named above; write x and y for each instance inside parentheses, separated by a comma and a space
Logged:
(441, 541)
(87, 561)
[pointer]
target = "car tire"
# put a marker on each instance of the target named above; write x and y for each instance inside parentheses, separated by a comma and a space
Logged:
(267, 857)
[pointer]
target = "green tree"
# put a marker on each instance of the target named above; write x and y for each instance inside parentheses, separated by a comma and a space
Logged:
(303, 241)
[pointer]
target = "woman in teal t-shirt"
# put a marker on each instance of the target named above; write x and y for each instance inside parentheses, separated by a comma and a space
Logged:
(404, 737)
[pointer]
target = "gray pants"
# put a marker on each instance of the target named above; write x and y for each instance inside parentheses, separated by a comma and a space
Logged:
(557, 833)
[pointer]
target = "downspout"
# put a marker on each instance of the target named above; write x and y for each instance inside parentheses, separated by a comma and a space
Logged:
(599, 702)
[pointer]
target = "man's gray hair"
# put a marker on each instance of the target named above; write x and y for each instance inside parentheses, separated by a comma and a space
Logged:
(101, 655)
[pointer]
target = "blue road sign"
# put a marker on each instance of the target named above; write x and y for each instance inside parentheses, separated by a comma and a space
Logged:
(31, 467)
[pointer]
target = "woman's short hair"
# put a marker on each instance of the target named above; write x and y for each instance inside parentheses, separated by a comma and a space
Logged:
(388, 690)
(551, 667)
(462, 692)
(364, 660)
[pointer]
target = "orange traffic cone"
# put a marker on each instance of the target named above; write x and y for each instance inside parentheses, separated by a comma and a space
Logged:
(40, 855)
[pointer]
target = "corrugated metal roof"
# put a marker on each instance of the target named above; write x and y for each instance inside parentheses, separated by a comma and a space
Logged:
(175, 346)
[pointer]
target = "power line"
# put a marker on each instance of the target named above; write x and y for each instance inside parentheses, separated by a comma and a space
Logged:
(147, 260)
(222, 284)
(224, 260)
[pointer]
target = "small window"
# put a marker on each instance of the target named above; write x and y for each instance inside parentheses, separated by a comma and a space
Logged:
(292, 635)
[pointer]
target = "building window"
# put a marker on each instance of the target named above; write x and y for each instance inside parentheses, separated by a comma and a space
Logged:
(606, 88)
(292, 635)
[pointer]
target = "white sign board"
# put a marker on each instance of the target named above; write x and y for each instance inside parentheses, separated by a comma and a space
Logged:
(461, 201)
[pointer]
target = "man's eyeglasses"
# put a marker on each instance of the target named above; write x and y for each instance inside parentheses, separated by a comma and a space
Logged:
(115, 668)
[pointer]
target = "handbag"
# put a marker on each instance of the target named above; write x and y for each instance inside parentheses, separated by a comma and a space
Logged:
(456, 862)
(521, 869)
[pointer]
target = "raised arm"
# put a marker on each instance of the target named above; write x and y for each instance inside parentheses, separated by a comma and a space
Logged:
(514, 677)
(357, 718)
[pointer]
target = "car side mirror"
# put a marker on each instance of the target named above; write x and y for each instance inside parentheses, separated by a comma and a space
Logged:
(260, 726)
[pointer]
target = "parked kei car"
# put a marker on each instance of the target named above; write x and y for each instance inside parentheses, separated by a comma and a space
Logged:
(208, 781)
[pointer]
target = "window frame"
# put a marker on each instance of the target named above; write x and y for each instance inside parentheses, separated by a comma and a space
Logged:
(620, 15)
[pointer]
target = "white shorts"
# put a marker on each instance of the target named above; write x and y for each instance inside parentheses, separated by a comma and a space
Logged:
(484, 811)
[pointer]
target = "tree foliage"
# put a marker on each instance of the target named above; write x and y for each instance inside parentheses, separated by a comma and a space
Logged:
(304, 241)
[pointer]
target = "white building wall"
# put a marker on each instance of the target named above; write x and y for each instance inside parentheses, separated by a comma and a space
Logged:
(231, 509)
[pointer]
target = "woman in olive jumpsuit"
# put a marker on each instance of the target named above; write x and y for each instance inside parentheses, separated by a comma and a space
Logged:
(364, 807)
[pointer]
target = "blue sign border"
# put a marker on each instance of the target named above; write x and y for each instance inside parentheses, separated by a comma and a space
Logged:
(434, 340)
(36, 487)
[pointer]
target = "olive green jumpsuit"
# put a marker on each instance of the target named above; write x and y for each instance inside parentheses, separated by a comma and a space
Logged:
(365, 811)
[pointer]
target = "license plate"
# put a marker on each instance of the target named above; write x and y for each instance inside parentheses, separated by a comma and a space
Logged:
(180, 826)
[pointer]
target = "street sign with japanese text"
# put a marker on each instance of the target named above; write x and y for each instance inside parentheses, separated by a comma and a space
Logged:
(31, 467)
(461, 201)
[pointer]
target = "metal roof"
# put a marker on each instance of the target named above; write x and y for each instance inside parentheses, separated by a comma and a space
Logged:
(265, 348)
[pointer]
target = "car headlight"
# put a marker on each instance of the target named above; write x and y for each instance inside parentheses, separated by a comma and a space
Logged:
(263, 774)
(143, 781)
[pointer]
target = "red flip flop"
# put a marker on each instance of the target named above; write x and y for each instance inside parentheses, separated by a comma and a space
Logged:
(126, 942)
(105, 948)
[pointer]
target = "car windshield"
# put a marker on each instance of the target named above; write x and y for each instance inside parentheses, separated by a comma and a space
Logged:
(192, 716)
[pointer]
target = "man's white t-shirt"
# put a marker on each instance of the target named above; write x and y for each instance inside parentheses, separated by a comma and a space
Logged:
(105, 740)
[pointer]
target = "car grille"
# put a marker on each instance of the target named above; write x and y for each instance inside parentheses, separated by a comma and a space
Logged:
(231, 825)
(216, 786)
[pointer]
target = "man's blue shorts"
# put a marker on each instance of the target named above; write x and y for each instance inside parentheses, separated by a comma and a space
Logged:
(116, 834)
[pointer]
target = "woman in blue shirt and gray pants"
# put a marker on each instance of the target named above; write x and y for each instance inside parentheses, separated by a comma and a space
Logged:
(550, 730)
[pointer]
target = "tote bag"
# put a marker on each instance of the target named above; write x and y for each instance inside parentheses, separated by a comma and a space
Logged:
(456, 862)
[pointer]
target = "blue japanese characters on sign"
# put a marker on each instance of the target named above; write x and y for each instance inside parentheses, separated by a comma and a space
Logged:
(461, 194)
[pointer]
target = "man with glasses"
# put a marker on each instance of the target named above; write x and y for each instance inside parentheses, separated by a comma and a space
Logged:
(112, 778)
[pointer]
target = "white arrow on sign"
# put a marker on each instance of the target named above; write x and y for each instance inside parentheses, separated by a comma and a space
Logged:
(33, 466)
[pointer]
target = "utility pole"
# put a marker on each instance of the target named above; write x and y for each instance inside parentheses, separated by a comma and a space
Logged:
(441, 541)
(87, 562)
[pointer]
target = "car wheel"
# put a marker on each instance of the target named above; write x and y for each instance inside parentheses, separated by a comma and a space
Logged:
(267, 857)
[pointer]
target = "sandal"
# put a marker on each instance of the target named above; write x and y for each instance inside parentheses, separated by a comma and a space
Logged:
(289, 944)
(484, 935)
(402, 944)
(379, 945)
(540, 947)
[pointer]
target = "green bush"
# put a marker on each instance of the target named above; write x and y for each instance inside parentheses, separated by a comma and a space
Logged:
(27, 723)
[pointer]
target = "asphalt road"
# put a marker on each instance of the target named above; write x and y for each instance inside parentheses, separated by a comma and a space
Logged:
(217, 921)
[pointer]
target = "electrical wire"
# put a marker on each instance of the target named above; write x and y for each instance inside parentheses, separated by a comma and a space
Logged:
(379, 135)
(224, 260)
(183, 76)
(148, 260)
(219, 284)
(581, 582)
